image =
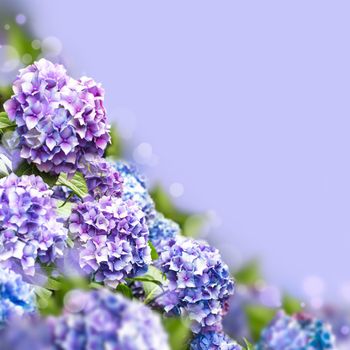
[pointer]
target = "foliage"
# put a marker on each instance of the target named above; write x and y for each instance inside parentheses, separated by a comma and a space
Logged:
(178, 331)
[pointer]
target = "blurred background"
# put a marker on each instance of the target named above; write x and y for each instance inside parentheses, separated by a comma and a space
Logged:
(238, 112)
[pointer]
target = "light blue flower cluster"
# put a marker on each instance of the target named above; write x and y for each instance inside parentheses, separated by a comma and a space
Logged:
(134, 188)
(213, 341)
(29, 227)
(16, 296)
(162, 229)
(60, 120)
(199, 283)
(102, 320)
(111, 237)
(298, 332)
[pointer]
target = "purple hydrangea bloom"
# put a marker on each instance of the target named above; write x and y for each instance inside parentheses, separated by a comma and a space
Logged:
(198, 282)
(59, 120)
(30, 229)
(213, 341)
(297, 332)
(16, 296)
(102, 178)
(112, 239)
(100, 320)
(134, 188)
(162, 229)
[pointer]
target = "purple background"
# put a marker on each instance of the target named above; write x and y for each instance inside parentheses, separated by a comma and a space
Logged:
(244, 103)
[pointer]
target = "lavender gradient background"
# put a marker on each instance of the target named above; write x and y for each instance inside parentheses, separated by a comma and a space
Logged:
(244, 103)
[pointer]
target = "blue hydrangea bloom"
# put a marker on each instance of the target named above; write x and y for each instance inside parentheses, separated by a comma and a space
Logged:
(162, 229)
(339, 318)
(29, 227)
(198, 282)
(134, 188)
(213, 341)
(16, 296)
(100, 320)
(102, 178)
(59, 120)
(297, 332)
(111, 237)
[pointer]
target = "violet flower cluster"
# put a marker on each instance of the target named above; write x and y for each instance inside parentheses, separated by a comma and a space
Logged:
(213, 341)
(30, 230)
(60, 120)
(112, 239)
(297, 332)
(16, 296)
(100, 320)
(199, 283)
(102, 178)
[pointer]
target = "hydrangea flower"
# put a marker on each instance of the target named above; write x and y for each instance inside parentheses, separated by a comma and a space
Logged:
(16, 296)
(338, 318)
(101, 320)
(162, 229)
(199, 283)
(298, 332)
(59, 120)
(102, 178)
(134, 188)
(112, 238)
(213, 341)
(29, 227)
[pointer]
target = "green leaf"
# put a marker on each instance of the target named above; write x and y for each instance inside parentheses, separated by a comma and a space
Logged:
(19, 38)
(114, 150)
(154, 254)
(179, 332)
(190, 224)
(5, 166)
(125, 290)
(291, 305)
(5, 122)
(53, 284)
(30, 169)
(77, 184)
(5, 94)
(152, 283)
(258, 318)
(248, 345)
(64, 209)
(249, 274)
